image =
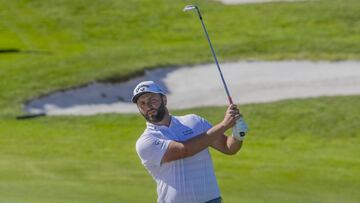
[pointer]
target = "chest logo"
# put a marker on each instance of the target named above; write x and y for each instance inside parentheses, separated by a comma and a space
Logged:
(187, 132)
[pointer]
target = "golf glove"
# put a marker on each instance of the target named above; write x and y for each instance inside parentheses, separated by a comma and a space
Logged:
(240, 129)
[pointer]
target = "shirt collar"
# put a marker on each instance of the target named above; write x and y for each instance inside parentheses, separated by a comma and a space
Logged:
(158, 127)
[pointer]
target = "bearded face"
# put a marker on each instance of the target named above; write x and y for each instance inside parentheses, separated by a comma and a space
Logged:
(156, 115)
(152, 107)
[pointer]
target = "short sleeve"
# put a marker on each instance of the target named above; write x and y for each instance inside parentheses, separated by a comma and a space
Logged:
(151, 149)
(205, 125)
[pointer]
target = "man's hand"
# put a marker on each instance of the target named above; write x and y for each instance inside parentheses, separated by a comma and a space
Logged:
(231, 115)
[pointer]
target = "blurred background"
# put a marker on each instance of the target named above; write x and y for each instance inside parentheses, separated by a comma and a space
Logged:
(298, 150)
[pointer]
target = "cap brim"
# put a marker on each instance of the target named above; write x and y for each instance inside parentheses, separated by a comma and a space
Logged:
(136, 97)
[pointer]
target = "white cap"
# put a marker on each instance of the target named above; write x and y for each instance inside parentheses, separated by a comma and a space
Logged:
(146, 87)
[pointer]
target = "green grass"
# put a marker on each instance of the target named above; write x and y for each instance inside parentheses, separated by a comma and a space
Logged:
(67, 43)
(298, 151)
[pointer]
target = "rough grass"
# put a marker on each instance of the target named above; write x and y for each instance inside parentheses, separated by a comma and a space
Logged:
(297, 151)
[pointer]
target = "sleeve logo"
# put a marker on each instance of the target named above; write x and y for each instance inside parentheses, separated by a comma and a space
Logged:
(156, 142)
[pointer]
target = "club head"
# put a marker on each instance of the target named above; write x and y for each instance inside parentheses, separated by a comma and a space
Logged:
(189, 8)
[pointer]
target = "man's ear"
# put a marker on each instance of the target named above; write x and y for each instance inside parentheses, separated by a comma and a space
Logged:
(164, 98)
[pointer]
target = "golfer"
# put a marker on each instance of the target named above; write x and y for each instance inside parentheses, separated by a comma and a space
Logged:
(175, 149)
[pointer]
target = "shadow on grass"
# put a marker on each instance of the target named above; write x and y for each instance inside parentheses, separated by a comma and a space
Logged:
(18, 51)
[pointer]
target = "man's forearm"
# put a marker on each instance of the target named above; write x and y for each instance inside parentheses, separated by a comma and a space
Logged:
(180, 150)
(227, 145)
(233, 145)
(204, 140)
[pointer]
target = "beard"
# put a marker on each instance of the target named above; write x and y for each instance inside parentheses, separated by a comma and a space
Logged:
(158, 116)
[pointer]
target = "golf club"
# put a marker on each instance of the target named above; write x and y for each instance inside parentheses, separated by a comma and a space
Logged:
(240, 124)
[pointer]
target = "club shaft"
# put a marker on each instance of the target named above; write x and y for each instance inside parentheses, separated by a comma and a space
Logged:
(215, 58)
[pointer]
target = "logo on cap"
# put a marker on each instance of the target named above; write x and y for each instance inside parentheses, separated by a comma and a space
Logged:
(141, 88)
(146, 86)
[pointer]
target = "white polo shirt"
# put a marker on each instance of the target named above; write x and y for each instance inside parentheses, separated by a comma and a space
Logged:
(188, 180)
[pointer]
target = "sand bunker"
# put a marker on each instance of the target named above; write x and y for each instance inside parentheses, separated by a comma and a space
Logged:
(249, 82)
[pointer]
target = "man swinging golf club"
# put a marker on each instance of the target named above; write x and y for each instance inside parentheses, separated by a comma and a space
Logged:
(174, 149)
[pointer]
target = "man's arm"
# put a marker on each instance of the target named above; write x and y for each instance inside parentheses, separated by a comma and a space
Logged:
(227, 144)
(180, 150)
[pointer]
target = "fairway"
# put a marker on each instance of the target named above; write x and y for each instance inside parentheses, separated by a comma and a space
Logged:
(298, 151)
(304, 150)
